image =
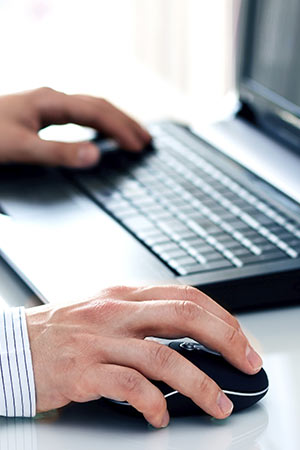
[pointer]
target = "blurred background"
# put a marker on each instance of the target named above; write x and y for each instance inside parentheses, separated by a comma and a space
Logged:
(154, 58)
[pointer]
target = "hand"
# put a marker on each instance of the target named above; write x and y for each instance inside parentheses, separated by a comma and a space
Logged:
(96, 348)
(23, 115)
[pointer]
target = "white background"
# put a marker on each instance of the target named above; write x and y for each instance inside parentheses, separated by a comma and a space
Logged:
(154, 58)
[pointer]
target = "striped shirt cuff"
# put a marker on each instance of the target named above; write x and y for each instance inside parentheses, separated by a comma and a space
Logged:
(17, 390)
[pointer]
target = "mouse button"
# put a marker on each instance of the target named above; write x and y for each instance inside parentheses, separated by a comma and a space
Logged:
(196, 353)
(243, 402)
(186, 348)
(214, 366)
(230, 378)
(263, 378)
(196, 346)
(236, 381)
(191, 346)
(257, 382)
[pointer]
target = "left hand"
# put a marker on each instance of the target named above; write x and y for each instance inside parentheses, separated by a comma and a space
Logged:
(23, 115)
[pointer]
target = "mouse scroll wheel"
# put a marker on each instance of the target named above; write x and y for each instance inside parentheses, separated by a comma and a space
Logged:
(188, 346)
(192, 346)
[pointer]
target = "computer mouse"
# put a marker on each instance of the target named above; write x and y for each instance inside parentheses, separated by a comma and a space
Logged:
(111, 146)
(242, 389)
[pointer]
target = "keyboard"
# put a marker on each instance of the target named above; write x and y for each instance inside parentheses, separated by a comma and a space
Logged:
(183, 203)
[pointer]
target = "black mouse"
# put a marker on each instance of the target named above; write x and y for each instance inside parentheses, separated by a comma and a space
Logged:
(242, 389)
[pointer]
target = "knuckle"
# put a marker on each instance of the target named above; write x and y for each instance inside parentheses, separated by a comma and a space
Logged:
(95, 310)
(186, 310)
(78, 395)
(163, 356)
(68, 363)
(118, 291)
(130, 381)
(44, 91)
(104, 308)
(43, 95)
(78, 392)
(235, 323)
(104, 102)
(190, 293)
(205, 385)
(230, 336)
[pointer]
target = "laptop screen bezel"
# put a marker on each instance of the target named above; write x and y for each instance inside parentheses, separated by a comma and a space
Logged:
(272, 112)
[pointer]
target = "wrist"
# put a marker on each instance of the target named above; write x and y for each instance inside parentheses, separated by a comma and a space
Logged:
(17, 388)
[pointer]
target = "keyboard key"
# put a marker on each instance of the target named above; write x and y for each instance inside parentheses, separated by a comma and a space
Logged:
(239, 225)
(125, 213)
(171, 224)
(197, 268)
(267, 247)
(144, 202)
(198, 256)
(193, 268)
(156, 239)
(165, 247)
(232, 244)
(265, 257)
(168, 255)
(238, 251)
(147, 233)
(181, 235)
(262, 218)
(180, 262)
(158, 213)
(196, 243)
(213, 256)
(138, 223)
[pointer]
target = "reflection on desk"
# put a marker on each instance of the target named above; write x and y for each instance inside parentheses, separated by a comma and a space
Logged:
(97, 425)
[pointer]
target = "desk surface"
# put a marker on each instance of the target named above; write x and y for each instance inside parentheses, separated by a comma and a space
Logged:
(273, 424)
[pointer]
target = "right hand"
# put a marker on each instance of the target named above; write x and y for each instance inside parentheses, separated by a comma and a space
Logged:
(96, 348)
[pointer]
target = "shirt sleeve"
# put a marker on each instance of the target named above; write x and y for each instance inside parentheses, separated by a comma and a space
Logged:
(17, 390)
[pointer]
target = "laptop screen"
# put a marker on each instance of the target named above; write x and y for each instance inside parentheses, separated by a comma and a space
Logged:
(270, 65)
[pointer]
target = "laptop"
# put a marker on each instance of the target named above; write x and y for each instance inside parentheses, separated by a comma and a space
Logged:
(217, 208)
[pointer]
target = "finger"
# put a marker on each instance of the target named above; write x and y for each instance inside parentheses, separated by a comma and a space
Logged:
(26, 146)
(126, 384)
(140, 131)
(173, 292)
(112, 121)
(160, 362)
(174, 319)
(75, 155)
(58, 108)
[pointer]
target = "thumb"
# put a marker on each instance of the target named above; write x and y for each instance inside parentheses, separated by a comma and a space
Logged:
(77, 154)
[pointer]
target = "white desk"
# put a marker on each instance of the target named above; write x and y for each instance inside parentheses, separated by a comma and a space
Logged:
(273, 424)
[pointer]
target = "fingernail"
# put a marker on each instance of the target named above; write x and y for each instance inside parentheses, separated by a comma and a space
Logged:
(165, 420)
(224, 403)
(87, 155)
(253, 358)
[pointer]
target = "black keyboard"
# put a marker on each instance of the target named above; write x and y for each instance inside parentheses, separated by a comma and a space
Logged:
(182, 202)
